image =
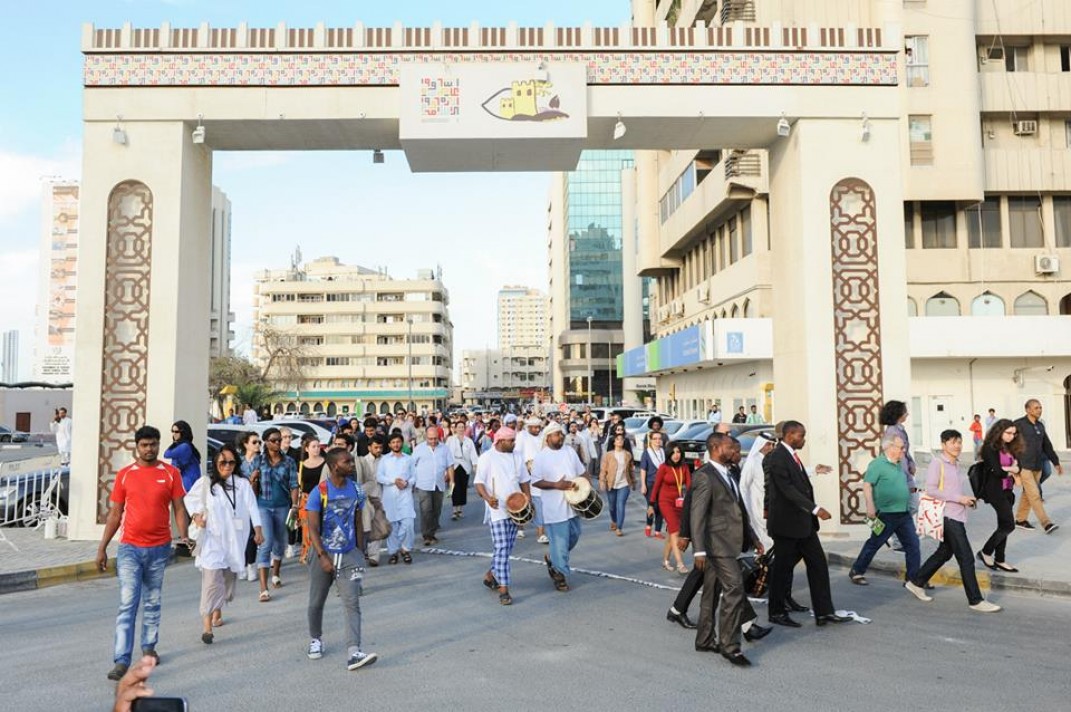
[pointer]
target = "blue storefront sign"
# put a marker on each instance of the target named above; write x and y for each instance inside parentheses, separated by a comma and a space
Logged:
(682, 349)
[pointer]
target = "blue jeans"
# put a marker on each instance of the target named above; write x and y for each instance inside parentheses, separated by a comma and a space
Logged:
(537, 504)
(563, 537)
(273, 520)
(141, 571)
(617, 499)
(902, 524)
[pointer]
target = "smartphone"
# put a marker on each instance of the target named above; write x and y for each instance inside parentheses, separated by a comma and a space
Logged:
(160, 704)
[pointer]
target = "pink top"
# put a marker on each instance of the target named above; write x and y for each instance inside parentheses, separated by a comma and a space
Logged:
(955, 485)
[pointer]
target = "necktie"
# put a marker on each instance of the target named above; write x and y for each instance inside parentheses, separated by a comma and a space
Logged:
(797, 459)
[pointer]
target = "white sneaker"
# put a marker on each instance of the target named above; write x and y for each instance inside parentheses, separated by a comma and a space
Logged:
(291, 551)
(359, 660)
(251, 572)
(520, 533)
(543, 539)
(316, 649)
(985, 606)
(918, 592)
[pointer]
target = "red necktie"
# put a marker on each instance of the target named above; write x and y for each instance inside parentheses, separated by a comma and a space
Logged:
(797, 458)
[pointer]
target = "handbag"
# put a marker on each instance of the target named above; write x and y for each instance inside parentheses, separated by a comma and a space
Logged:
(381, 528)
(755, 570)
(930, 519)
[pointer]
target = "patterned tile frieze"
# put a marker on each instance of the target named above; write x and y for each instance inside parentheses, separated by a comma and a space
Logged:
(383, 69)
(856, 338)
(126, 332)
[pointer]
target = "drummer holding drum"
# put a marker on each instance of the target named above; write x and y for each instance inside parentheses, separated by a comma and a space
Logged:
(502, 481)
(555, 471)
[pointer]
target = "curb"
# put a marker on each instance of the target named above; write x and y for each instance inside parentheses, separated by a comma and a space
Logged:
(34, 579)
(948, 575)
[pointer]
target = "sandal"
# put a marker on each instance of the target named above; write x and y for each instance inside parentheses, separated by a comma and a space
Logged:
(276, 582)
(665, 565)
(393, 559)
(505, 599)
(682, 569)
(217, 622)
(561, 585)
(264, 597)
(406, 557)
(491, 583)
(858, 579)
(1004, 566)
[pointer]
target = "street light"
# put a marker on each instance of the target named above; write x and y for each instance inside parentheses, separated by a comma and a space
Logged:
(409, 342)
(591, 373)
(613, 368)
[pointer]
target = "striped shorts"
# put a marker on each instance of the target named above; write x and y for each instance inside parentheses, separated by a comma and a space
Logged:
(503, 537)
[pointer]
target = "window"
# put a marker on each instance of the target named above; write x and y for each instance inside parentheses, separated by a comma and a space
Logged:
(987, 304)
(983, 224)
(1067, 133)
(310, 297)
(918, 61)
(338, 361)
(310, 319)
(734, 247)
(1024, 218)
(938, 224)
(909, 225)
(942, 304)
(1031, 304)
(745, 232)
(1016, 59)
(1065, 58)
(912, 308)
(1061, 208)
(920, 136)
(283, 297)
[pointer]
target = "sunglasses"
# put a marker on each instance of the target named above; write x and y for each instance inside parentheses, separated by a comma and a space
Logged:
(273, 440)
(254, 442)
(176, 432)
(229, 463)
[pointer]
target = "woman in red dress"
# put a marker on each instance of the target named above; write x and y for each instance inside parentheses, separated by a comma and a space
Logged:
(672, 480)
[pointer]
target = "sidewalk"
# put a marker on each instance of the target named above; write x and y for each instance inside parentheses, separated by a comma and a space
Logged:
(40, 562)
(1044, 560)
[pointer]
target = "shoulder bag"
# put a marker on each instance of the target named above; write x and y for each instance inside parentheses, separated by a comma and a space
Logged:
(930, 519)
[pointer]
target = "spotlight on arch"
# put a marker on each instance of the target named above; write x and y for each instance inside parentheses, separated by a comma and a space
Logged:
(619, 128)
(377, 156)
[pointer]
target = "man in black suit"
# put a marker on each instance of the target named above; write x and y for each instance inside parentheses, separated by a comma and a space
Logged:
(722, 531)
(792, 522)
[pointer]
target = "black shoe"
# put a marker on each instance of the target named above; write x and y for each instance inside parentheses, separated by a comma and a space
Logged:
(795, 607)
(708, 648)
(1025, 525)
(207, 638)
(988, 560)
(117, 672)
(831, 618)
(680, 619)
(783, 619)
(756, 632)
(151, 652)
(737, 659)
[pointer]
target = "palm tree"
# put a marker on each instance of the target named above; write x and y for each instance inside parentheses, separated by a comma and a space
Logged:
(256, 395)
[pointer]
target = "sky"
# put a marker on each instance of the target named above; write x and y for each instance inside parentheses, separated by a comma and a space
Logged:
(484, 230)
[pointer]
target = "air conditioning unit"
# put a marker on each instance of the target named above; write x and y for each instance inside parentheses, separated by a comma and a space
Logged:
(1046, 264)
(1026, 128)
(663, 313)
(678, 308)
(704, 292)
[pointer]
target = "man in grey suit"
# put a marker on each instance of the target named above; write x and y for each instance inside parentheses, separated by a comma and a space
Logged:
(722, 531)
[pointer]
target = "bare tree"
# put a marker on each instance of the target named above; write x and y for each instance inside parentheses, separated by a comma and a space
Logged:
(281, 356)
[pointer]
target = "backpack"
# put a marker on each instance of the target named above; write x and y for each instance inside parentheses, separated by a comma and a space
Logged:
(976, 475)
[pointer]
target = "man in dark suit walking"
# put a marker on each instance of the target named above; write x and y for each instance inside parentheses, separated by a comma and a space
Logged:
(792, 522)
(721, 529)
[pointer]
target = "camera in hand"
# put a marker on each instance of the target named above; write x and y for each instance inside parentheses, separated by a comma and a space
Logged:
(160, 704)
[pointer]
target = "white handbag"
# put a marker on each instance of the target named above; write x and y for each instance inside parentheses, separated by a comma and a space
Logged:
(930, 519)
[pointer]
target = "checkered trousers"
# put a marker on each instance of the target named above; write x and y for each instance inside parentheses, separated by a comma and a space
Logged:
(503, 537)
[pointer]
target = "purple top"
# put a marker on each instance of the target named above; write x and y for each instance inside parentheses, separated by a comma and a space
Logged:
(955, 486)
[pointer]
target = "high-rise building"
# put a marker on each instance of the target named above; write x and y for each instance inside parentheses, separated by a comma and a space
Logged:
(516, 375)
(522, 317)
(344, 339)
(54, 338)
(9, 368)
(54, 352)
(222, 319)
(985, 139)
(586, 278)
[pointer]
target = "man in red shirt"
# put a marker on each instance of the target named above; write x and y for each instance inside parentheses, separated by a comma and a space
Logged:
(143, 496)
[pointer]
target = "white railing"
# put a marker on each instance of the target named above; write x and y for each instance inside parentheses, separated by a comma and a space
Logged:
(29, 499)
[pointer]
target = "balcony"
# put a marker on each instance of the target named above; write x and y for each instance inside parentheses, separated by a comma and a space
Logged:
(1027, 169)
(1015, 17)
(1026, 92)
(737, 11)
(742, 163)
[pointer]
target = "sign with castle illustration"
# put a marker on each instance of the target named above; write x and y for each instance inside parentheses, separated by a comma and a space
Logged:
(494, 117)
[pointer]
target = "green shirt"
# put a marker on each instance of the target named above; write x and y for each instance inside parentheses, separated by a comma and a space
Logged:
(891, 495)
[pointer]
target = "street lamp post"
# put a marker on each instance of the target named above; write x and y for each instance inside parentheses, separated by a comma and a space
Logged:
(613, 368)
(591, 372)
(409, 342)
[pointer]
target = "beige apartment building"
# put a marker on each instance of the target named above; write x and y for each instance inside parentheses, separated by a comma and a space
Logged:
(985, 148)
(356, 340)
(522, 317)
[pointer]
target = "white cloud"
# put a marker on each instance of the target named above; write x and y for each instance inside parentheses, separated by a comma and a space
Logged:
(21, 175)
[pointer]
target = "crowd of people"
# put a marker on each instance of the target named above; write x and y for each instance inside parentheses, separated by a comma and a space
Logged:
(337, 506)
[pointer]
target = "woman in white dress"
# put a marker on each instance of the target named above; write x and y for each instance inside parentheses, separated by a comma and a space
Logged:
(221, 507)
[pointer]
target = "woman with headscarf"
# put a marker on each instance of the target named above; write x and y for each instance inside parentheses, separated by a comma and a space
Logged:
(753, 485)
(221, 506)
(183, 454)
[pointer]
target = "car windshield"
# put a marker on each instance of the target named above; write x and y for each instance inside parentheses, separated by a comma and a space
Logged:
(633, 423)
(694, 431)
(672, 426)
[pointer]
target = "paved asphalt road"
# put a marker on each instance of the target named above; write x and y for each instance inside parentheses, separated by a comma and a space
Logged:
(445, 642)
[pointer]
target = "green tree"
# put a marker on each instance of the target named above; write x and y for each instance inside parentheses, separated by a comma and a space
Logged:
(256, 395)
(231, 371)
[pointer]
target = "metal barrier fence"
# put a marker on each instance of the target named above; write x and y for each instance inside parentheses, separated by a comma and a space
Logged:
(29, 499)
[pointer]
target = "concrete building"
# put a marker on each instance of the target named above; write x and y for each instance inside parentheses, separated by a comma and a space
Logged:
(984, 150)
(351, 340)
(517, 375)
(56, 284)
(587, 283)
(522, 317)
(9, 357)
(221, 333)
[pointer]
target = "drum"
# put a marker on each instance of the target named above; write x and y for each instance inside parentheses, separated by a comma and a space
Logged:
(584, 499)
(519, 508)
